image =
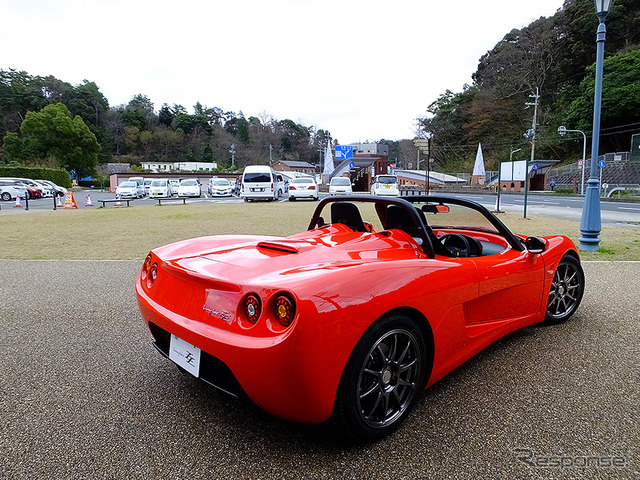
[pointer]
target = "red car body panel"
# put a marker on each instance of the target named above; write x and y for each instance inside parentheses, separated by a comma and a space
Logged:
(341, 281)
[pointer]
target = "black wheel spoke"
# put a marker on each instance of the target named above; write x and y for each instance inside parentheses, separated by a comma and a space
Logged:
(388, 378)
(566, 290)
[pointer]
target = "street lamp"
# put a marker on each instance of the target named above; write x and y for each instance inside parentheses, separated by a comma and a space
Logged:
(232, 151)
(591, 223)
(562, 130)
(500, 176)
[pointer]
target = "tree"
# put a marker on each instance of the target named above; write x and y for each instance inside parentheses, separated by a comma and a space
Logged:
(52, 133)
(139, 113)
(166, 115)
(620, 98)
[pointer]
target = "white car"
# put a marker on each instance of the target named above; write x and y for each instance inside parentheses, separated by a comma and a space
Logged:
(174, 184)
(46, 189)
(386, 185)
(340, 186)
(128, 189)
(189, 187)
(303, 187)
(27, 182)
(220, 187)
(10, 189)
(59, 191)
(160, 188)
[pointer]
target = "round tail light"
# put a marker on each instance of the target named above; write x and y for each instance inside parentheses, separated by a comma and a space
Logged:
(153, 274)
(146, 266)
(252, 307)
(285, 309)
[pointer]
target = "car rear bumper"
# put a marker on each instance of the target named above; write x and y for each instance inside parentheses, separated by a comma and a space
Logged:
(277, 374)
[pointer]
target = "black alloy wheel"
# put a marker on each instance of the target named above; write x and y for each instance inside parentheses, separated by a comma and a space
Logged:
(566, 291)
(382, 378)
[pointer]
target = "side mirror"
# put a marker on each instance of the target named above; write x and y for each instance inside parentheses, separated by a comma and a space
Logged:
(535, 245)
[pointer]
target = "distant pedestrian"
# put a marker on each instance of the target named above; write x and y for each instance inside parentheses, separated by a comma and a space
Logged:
(552, 184)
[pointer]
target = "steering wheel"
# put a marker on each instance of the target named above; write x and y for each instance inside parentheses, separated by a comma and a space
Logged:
(456, 244)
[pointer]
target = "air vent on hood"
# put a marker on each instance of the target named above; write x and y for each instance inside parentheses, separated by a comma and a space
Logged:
(279, 247)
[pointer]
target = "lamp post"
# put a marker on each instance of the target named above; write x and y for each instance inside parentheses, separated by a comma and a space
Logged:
(500, 176)
(531, 133)
(562, 130)
(591, 225)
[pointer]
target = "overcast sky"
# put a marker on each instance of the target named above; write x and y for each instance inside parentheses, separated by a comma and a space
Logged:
(361, 69)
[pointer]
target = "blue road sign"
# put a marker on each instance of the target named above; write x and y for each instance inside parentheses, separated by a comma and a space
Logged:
(352, 165)
(344, 152)
(601, 163)
(536, 166)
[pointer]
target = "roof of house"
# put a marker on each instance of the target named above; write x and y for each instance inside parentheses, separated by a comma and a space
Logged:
(435, 177)
(294, 163)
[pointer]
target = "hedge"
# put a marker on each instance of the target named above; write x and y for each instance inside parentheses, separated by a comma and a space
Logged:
(58, 176)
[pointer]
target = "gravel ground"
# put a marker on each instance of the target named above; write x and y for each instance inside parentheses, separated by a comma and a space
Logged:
(85, 395)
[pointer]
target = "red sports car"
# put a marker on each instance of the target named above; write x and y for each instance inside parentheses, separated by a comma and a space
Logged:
(351, 319)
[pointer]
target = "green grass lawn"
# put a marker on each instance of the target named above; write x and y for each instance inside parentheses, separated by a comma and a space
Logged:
(129, 233)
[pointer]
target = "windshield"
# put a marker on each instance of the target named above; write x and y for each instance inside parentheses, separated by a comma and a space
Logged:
(257, 177)
(458, 217)
(159, 183)
(127, 184)
(388, 180)
(301, 180)
(222, 182)
(188, 183)
(341, 181)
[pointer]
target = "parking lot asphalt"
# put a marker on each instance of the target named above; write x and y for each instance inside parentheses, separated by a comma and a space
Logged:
(85, 395)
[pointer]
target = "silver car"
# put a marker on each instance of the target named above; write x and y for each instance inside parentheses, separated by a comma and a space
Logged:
(127, 189)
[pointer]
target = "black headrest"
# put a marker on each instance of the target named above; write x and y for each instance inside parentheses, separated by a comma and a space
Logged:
(347, 214)
(398, 217)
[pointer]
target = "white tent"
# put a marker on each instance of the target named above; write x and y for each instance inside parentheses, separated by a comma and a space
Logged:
(478, 168)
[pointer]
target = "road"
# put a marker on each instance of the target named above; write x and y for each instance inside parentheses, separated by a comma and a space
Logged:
(565, 207)
(85, 395)
(556, 206)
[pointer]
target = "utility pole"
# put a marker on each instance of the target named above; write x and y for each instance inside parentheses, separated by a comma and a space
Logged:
(532, 135)
(424, 145)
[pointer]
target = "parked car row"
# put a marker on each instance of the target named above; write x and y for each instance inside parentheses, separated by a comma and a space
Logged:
(11, 187)
(381, 185)
(138, 187)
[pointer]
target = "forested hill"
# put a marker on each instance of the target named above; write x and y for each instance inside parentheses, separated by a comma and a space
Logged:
(32, 107)
(557, 56)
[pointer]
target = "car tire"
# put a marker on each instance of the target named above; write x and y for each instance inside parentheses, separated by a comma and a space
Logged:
(566, 291)
(382, 379)
(6, 196)
(291, 199)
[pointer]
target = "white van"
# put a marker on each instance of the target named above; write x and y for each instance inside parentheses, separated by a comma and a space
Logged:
(261, 182)
(385, 185)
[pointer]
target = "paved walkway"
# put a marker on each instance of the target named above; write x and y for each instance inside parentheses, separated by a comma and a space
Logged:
(85, 395)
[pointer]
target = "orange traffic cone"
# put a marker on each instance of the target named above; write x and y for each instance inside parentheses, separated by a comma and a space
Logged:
(87, 201)
(17, 202)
